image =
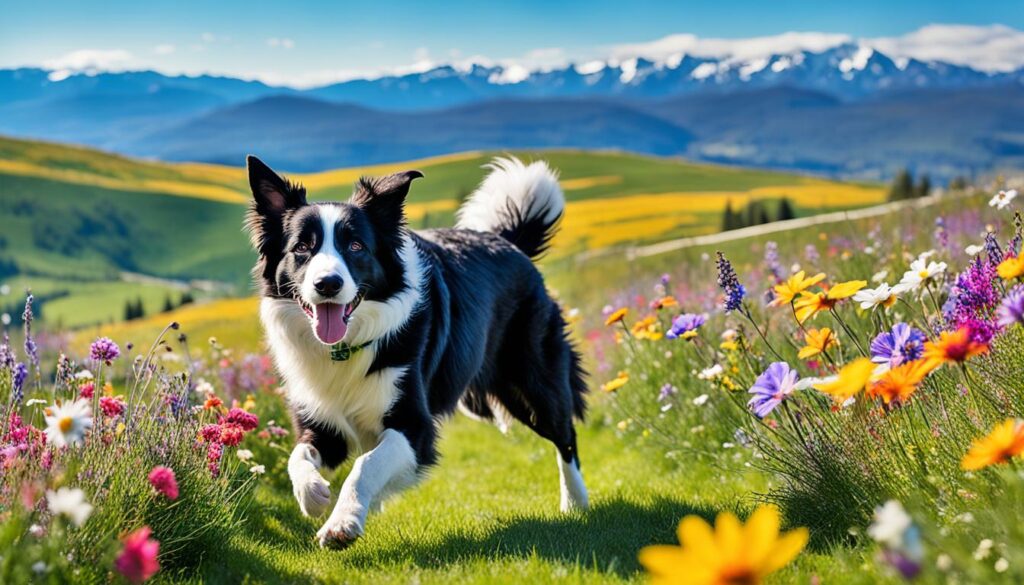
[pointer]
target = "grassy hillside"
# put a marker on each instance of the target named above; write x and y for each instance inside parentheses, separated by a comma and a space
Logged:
(75, 217)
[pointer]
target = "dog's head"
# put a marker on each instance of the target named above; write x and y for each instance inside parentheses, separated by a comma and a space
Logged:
(328, 257)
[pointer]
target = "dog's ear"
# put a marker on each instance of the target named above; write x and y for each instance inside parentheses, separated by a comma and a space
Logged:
(272, 195)
(383, 198)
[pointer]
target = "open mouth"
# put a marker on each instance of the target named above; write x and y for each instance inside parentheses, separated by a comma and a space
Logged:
(330, 320)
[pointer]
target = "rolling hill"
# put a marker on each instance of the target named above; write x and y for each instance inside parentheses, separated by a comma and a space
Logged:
(89, 230)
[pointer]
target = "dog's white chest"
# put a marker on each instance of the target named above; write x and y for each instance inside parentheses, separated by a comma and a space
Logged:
(342, 395)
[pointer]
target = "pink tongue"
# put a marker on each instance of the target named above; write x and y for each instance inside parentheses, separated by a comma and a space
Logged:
(330, 323)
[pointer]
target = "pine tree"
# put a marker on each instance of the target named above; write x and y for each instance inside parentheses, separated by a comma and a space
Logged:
(129, 310)
(140, 310)
(786, 210)
(958, 183)
(902, 186)
(168, 304)
(186, 298)
(728, 217)
(923, 187)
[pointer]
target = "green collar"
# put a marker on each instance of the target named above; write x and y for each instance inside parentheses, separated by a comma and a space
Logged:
(342, 351)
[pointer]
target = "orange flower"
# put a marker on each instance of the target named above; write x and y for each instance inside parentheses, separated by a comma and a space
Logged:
(901, 382)
(616, 317)
(647, 328)
(1005, 441)
(953, 346)
(212, 402)
(665, 303)
(794, 285)
(818, 341)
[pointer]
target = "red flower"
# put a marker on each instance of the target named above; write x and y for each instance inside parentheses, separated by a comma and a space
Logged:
(231, 434)
(162, 479)
(242, 418)
(111, 406)
(210, 433)
(137, 561)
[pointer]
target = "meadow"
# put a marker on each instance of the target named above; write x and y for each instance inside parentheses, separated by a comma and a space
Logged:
(77, 221)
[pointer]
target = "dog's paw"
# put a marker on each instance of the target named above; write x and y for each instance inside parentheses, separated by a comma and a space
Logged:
(312, 491)
(340, 531)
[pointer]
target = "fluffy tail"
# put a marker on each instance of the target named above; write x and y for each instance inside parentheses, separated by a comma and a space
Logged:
(521, 203)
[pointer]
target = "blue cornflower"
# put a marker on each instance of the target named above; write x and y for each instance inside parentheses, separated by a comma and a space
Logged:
(901, 345)
(771, 388)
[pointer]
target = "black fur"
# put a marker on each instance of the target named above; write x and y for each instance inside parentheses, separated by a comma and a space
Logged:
(485, 327)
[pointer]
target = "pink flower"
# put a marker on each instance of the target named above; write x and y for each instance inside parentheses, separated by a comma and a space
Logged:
(213, 455)
(86, 390)
(247, 421)
(231, 434)
(111, 406)
(137, 561)
(162, 479)
(210, 433)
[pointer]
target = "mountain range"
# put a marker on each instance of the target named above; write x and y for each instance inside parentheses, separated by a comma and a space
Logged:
(848, 110)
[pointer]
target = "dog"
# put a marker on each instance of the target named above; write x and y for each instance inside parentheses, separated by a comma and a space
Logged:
(380, 332)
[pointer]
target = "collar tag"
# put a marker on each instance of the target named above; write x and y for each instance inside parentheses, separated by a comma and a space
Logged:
(341, 351)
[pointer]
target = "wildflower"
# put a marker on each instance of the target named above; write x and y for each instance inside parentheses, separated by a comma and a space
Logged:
(258, 469)
(771, 388)
(1004, 442)
(853, 377)
(616, 316)
(212, 403)
(891, 522)
(729, 283)
(685, 326)
(1002, 199)
(900, 382)
(973, 299)
(881, 296)
(615, 383)
(794, 285)
(163, 481)
(137, 561)
(818, 342)
(920, 273)
(19, 374)
(810, 304)
(647, 328)
(244, 454)
(112, 407)
(711, 373)
(900, 345)
(1011, 310)
(246, 420)
(204, 387)
(665, 302)
(700, 400)
(67, 423)
(953, 347)
(69, 502)
(31, 349)
(729, 553)
(104, 350)
(1010, 268)
(974, 250)
(250, 402)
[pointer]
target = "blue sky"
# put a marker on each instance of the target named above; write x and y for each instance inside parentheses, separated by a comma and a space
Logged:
(310, 42)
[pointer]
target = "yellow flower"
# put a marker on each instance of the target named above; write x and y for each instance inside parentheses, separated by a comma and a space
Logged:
(616, 382)
(250, 403)
(853, 377)
(731, 553)
(901, 382)
(810, 304)
(666, 302)
(818, 341)
(1011, 268)
(1005, 441)
(794, 285)
(108, 389)
(616, 317)
(647, 328)
(729, 345)
(953, 346)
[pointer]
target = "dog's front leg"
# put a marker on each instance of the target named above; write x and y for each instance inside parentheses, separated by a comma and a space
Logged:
(390, 466)
(310, 488)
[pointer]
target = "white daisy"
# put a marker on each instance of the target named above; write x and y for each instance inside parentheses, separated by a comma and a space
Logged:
(67, 423)
(974, 250)
(69, 502)
(891, 522)
(244, 454)
(1002, 199)
(258, 469)
(872, 298)
(711, 373)
(920, 272)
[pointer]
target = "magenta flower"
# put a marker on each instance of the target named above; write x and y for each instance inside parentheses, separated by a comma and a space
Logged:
(112, 407)
(163, 481)
(246, 420)
(138, 559)
(104, 350)
(771, 388)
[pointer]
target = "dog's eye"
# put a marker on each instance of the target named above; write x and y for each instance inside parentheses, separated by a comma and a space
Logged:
(301, 248)
(355, 247)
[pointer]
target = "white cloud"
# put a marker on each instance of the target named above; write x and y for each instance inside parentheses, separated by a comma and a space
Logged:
(164, 49)
(89, 61)
(281, 43)
(672, 46)
(988, 48)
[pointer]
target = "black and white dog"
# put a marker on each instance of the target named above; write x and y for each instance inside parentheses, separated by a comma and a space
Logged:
(380, 331)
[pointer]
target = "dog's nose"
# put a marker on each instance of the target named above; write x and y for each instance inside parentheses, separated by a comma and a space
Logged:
(328, 286)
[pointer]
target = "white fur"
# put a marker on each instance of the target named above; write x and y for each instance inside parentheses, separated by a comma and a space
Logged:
(531, 189)
(501, 417)
(309, 487)
(387, 468)
(326, 262)
(573, 490)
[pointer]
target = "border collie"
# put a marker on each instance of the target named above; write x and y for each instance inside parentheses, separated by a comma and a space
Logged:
(379, 331)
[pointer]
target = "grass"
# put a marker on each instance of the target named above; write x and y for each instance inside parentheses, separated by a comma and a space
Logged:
(76, 214)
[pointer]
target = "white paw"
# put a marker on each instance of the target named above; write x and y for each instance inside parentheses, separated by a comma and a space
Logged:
(341, 530)
(312, 491)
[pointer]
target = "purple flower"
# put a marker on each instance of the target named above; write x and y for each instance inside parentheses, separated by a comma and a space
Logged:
(901, 345)
(811, 253)
(20, 372)
(992, 249)
(771, 388)
(666, 391)
(685, 326)
(1011, 311)
(729, 283)
(973, 299)
(31, 350)
(771, 259)
(104, 350)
